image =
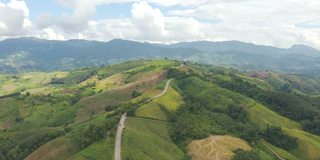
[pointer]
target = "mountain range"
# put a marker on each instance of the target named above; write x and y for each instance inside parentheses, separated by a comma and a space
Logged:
(29, 54)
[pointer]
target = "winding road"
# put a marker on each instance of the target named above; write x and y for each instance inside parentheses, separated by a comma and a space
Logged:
(117, 147)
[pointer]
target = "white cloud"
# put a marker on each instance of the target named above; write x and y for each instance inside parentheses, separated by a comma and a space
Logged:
(269, 22)
(149, 21)
(14, 18)
(272, 22)
(49, 33)
(83, 11)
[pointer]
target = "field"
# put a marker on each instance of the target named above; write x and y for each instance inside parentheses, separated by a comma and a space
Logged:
(101, 150)
(262, 116)
(148, 139)
(99, 102)
(151, 110)
(170, 101)
(22, 82)
(60, 148)
(216, 148)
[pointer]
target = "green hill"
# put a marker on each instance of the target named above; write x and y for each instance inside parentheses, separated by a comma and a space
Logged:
(75, 114)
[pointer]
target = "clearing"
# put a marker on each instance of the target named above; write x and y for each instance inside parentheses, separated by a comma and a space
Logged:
(216, 148)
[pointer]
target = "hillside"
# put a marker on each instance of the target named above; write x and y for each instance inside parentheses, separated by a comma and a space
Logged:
(32, 54)
(205, 112)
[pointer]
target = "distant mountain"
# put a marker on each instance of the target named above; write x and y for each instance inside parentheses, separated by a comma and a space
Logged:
(297, 59)
(37, 54)
(304, 50)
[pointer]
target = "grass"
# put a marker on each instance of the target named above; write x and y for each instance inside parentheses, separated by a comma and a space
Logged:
(60, 148)
(216, 147)
(101, 150)
(171, 100)
(148, 140)
(107, 83)
(110, 82)
(97, 103)
(148, 94)
(259, 82)
(16, 83)
(47, 116)
(151, 110)
(262, 116)
(217, 97)
(309, 145)
(282, 153)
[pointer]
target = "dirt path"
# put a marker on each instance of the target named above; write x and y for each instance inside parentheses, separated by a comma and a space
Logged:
(274, 152)
(117, 147)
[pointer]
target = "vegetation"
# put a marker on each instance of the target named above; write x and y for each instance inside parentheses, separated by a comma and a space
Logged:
(96, 132)
(148, 139)
(275, 136)
(245, 155)
(74, 114)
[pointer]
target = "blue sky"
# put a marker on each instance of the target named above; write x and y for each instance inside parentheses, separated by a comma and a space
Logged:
(273, 22)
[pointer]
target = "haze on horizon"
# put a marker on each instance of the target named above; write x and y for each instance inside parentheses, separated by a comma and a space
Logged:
(273, 22)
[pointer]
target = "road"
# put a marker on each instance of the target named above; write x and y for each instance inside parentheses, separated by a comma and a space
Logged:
(164, 90)
(117, 147)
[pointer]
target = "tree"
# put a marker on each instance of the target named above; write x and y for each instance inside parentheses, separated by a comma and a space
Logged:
(245, 155)
(275, 136)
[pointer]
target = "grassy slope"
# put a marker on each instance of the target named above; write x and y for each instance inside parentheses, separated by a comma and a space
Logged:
(212, 94)
(170, 100)
(148, 139)
(309, 145)
(259, 114)
(262, 116)
(143, 76)
(60, 148)
(279, 151)
(101, 150)
(151, 110)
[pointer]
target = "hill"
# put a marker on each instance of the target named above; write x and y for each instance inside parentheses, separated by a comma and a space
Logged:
(74, 114)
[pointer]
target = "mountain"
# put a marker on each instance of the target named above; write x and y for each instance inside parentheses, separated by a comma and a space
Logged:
(37, 54)
(304, 50)
(24, 54)
(175, 111)
(297, 59)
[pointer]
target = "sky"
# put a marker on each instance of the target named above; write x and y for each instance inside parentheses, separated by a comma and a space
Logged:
(280, 23)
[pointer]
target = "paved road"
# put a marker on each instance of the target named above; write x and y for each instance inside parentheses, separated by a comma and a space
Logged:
(117, 147)
(164, 90)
